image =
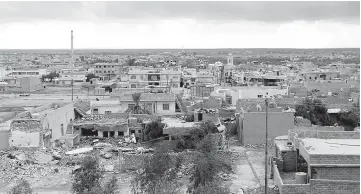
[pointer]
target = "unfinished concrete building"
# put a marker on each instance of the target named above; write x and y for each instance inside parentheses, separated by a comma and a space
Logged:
(109, 125)
(310, 162)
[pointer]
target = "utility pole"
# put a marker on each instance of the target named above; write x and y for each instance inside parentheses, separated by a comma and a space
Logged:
(72, 89)
(266, 152)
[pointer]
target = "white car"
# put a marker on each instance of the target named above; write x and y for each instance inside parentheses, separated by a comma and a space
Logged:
(25, 94)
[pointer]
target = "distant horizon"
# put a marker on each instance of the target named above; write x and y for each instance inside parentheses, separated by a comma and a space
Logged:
(178, 48)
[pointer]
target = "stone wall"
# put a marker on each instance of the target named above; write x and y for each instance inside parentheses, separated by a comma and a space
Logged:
(319, 186)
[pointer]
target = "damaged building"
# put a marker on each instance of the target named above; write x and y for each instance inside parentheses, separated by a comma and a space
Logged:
(109, 125)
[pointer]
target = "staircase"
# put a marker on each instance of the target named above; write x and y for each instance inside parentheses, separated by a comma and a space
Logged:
(180, 104)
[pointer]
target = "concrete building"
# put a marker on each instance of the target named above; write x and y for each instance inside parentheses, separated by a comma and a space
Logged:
(252, 126)
(105, 107)
(232, 94)
(108, 125)
(312, 162)
(27, 72)
(320, 75)
(107, 71)
(155, 103)
(22, 84)
(202, 90)
(143, 78)
(42, 126)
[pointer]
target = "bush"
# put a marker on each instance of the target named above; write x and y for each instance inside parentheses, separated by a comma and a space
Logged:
(22, 187)
(87, 179)
(158, 174)
(207, 166)
(153, 130)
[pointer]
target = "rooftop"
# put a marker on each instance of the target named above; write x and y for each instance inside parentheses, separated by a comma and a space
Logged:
(332, 146)
(146, 97)
(102, 119)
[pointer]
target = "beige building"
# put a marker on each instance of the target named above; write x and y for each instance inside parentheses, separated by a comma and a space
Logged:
(144, 78)
(107, 71)
(21, 84)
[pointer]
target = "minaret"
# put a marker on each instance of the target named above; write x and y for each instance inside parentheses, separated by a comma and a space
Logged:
(72, 53)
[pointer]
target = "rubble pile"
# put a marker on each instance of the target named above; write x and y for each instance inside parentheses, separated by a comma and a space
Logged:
(271, 190)
(231, 156)
(31, 165)
(259, 146)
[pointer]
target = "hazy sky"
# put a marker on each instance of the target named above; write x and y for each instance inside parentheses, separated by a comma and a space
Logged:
(41, 25)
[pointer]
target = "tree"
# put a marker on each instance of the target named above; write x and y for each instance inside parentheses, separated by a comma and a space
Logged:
(88, 177)
(90, 76)
(22, 187)
(153, 130)
(158, 174)
(313, 110)
(351, 119)
(207, 166)
(50, 76)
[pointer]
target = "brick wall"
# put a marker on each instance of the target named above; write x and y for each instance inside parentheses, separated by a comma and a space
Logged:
(319, 186)
(338, 134)
(334, 159)
(335, 173)
(295, 189)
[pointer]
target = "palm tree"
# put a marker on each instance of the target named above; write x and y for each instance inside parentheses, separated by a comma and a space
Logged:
(136, 99)
(137, 109)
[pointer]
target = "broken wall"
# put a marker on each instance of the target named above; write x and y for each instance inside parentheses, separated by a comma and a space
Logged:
(25, 139)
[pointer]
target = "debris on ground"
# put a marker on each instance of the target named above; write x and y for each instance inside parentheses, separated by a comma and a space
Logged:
(79, 151)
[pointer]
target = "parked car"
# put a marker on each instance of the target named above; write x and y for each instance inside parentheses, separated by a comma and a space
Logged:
(25, 94)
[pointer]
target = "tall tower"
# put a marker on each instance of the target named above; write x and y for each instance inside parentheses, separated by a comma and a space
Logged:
(72, 53)
(230, 59)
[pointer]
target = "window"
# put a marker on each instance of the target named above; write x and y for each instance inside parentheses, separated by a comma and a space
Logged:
(132, 131)
(105, 66)
(165, 106)
(105, 133)
(111, 133)
(120, 133)
(108, 112)
(133, 86)
(108, 71)
(112, 71)
(105, 71)
(95, 111)
(260, 96)
(139, 131)
(133, 77)
(113, 66)
(130, 106)
(96, 71)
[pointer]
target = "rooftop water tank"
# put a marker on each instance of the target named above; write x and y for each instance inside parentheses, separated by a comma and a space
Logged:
(301, 178)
